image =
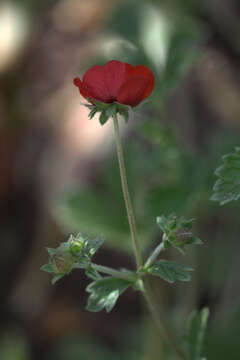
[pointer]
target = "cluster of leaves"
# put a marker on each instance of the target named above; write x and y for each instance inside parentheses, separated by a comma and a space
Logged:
(227, 186)
(107, 110)
(78, 252)
(177, 232)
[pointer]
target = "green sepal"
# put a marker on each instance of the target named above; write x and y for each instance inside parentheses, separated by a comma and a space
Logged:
(197, 324)
(92, 273)
(76, 253)
(107, 110)
(105, 292)
(111, 110)
(89, 106)
(177, 232)
(56, 278)
(93, 112)
(101, 106)
(103, 118)
(123, 110)
(47, 268)
(92, 246)
(170, 271)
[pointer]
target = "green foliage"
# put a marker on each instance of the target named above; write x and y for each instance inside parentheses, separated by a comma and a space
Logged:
(177, 232)
(77, 252)
(170, 271)
(227, 187)
(105, 292)
(195, 334)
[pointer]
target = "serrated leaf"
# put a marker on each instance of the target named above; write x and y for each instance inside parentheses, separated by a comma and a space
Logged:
(227, 187)
(105, 292)
(103, 117)
(197, 324)
(170, 271)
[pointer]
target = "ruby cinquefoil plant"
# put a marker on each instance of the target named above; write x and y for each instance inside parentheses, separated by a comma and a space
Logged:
(114, 90)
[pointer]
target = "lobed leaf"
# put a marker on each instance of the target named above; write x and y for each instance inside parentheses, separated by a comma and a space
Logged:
(105, 292)
(170, 271)
(177, 232)
(227, 186)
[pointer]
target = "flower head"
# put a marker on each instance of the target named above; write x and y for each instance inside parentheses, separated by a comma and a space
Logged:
(116, 82)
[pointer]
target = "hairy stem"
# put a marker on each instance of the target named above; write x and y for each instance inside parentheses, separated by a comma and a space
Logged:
(127, 199)
(131, 219)
(109, 271)
(154, 255)
(162, 326)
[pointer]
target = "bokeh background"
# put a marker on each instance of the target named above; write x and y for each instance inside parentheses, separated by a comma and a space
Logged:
(59, 175)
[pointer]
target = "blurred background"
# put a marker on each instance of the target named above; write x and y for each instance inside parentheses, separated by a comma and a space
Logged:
(59, 175)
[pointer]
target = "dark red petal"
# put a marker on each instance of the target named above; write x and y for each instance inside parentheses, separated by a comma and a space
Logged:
(134, 90)
(115, 76)
(138, 70)
(94, 82)
(144, 71)
(77, 82)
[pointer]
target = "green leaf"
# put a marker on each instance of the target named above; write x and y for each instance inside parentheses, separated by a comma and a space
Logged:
(227, 187)
(170, 271)
(103, 117)
(105, 292)
(195, 334)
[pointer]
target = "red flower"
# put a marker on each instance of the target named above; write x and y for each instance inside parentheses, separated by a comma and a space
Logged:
(116, 81)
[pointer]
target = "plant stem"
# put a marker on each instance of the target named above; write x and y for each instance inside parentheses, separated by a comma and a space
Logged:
(154, 255)
(160, 321)
(131, 219)
(112, 272)
(127, 199)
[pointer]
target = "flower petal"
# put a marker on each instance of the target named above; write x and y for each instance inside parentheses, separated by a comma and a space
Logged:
(94, 83)
(134, 90)
(143, 71)
(115, 77)
(83, 89)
